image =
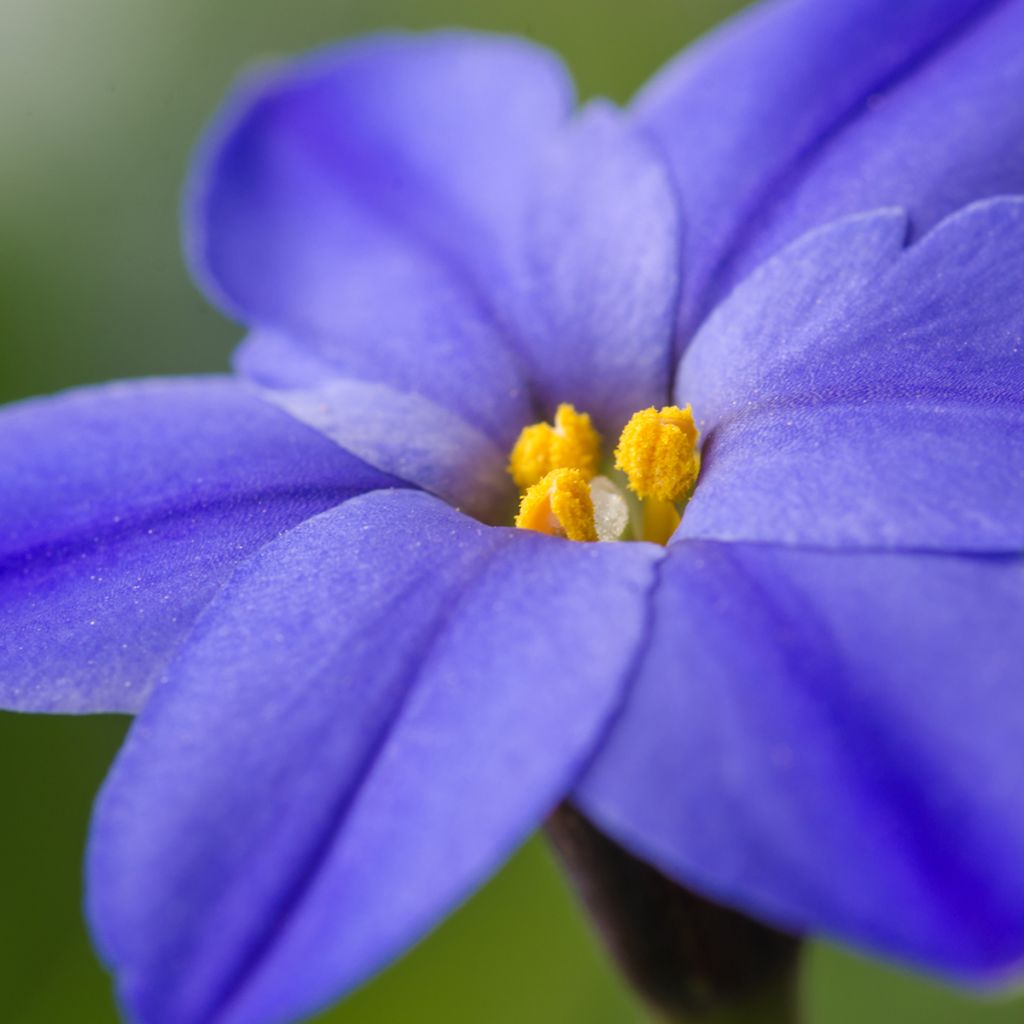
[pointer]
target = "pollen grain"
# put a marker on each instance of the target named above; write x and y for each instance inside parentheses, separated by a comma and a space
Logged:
(658, 453)
(560, 505)
(571, 442)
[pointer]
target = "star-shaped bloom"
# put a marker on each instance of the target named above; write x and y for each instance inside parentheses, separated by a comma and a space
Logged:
(358, 688)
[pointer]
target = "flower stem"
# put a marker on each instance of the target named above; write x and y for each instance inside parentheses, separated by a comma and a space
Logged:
(692, 961)
(773, 1003)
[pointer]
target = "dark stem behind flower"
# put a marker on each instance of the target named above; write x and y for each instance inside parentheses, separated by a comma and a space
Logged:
(690, 959)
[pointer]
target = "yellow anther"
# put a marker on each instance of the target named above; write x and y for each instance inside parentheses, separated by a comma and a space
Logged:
(560, 505)
(572, 443)
(658, 453)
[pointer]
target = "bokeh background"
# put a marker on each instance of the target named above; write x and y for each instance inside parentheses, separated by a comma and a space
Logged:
(100, 103)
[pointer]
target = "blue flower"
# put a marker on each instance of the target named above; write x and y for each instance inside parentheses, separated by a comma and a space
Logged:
(356, 694)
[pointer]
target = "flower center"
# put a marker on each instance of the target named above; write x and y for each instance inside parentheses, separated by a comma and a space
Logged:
(641, 497)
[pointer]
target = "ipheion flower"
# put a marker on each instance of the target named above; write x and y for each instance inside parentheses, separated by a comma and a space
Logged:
(769, 317)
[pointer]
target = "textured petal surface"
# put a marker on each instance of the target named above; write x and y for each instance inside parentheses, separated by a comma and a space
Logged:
(367, 202)
(373, 714)
(603, 253)
(122, 510)
(801, 111)
(856, 393)
(834, 742)
(411, 437)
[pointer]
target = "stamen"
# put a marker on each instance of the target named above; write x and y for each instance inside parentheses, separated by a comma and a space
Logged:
(572, 443)
(660, 519)
(559, 505)
(556, 464)
(658, 453)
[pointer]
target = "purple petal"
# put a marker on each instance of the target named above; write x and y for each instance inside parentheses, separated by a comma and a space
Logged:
(833, 742)
(122, 509)
(373, 714)
(273, 360)
(366, 203)
(856, 393)
(411, 437)
(800, 112)
(603, 258)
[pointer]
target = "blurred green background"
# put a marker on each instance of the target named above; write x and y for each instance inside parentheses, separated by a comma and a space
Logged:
(100, 101)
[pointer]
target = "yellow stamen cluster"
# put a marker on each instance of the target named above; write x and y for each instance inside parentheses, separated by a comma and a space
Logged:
(571, 443)
(658, 453)
(556, 466)
(560, 505)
